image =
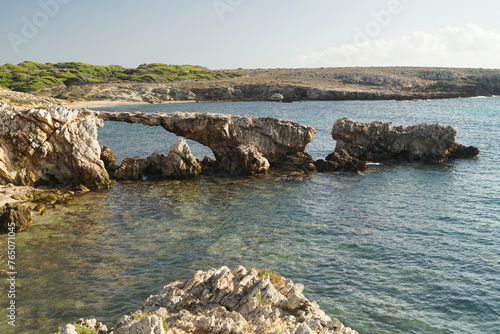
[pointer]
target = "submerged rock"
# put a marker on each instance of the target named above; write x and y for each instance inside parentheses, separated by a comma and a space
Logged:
(379, 141)
(14, 218)
(53, 145)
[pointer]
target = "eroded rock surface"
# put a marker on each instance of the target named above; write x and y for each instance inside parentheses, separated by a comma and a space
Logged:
(379, 141)
(340, 160)
(238, 301)
(54, 144)
(225, 301)
(108, 159)
(14, 218)
(246, 143)
(178, 164)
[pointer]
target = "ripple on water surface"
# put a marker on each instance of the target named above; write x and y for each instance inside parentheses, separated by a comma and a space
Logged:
(399, 249)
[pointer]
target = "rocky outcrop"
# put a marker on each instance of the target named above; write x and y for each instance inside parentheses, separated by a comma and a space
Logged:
(300, 162)
(340, 161)
(379, 141)
(131, 168)
(244, 144)
(244, 159)
(178, 164)
(54, 144)
(225, 301)
(109, 160)
(14, 218)
(25, 99)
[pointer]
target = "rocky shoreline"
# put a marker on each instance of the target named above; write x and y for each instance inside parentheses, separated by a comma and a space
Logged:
(59, 147)
(287, 85)
(223, 301)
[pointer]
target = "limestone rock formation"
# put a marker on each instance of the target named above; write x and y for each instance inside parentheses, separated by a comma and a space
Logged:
(14, 218)
(244, 159)
(55, 144)
(245, 141)
(381, 141)
(131, 168)
(108, 159)
(238, 301)
(225, 301)
(340, 160)
(86, 326)
(300, 162)
(178, 164)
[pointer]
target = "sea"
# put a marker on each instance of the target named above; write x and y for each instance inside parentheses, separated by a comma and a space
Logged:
(406, 247)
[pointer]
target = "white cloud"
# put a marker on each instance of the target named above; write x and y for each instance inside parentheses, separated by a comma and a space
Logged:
(467, 46)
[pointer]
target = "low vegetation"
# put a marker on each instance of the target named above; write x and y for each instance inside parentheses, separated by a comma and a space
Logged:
(80, 329)
(137, 316)
(276, 279)
(29, 76)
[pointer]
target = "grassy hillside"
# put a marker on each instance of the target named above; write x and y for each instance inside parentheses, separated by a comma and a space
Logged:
(29, 76)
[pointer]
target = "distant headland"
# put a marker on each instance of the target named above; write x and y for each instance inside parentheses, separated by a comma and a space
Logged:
(77, 83)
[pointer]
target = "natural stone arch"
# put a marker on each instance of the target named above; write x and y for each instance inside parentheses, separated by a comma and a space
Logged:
(239, 143)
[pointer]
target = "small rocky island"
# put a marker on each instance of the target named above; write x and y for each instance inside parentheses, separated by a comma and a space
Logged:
(224, 301)
(379, 141)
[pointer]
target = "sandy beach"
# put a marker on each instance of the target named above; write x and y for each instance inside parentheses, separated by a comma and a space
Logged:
(109, 103)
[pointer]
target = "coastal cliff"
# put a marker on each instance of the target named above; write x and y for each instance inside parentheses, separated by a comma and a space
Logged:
(225, 301)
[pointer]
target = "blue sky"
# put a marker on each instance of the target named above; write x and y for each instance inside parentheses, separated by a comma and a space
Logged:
(253, 33)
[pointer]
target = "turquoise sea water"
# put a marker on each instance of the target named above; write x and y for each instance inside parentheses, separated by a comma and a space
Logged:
(401, 248)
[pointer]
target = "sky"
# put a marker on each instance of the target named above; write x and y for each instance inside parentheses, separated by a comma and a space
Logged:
(231, 34)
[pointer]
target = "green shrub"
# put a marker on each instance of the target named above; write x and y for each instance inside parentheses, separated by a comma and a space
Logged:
(80, 329)
(29, 76)
(276, 279)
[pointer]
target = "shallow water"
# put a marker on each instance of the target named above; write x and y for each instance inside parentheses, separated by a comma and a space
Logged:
(404, 248)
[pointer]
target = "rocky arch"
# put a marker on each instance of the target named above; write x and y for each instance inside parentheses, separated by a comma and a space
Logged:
(240, 144)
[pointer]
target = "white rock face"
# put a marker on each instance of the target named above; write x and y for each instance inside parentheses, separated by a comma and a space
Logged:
(225, 301)
(57, 143)
(149, 325)
(68, 329)
(239, 301)
(180, 163)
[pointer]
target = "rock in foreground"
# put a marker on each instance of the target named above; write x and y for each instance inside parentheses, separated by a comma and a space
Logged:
(225, 301)
(381, 141)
